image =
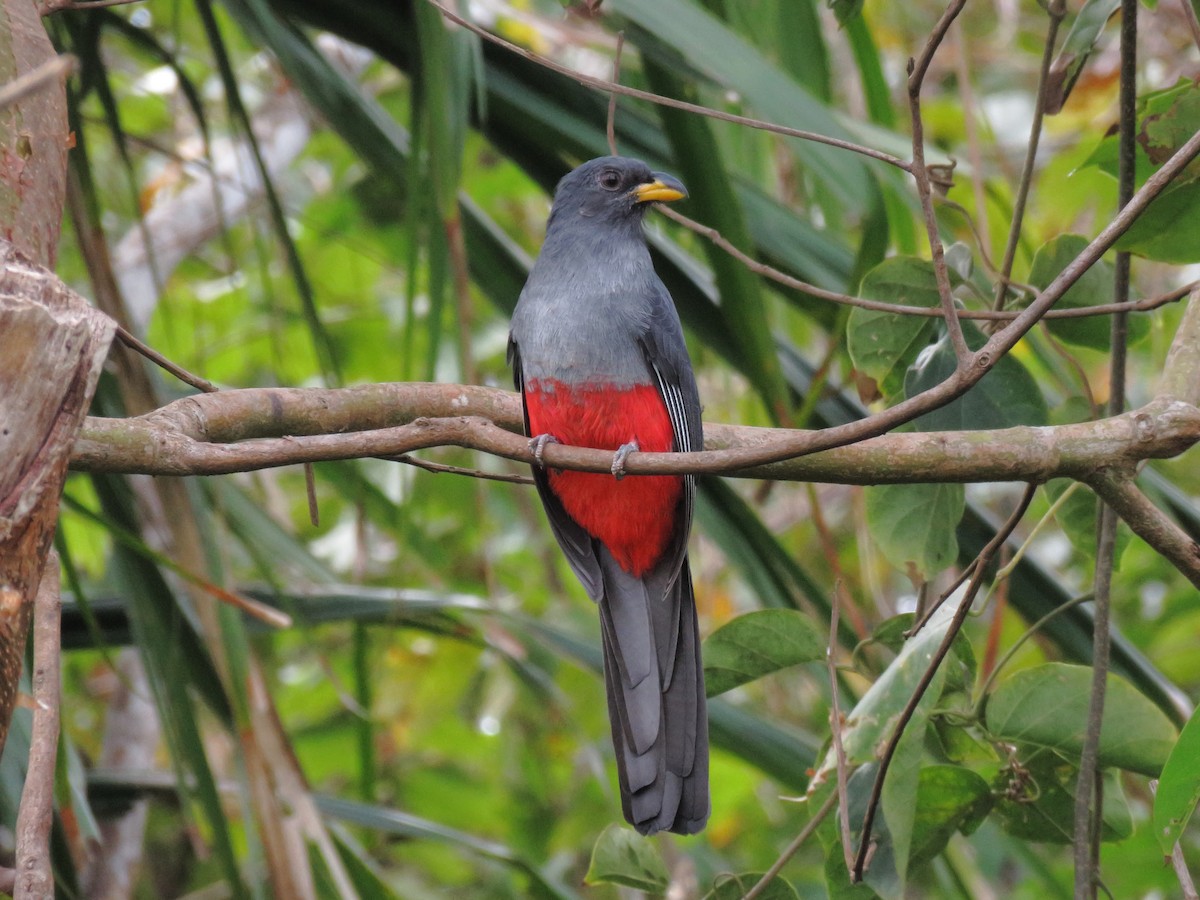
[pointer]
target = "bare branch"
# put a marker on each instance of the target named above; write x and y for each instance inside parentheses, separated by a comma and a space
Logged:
(930, 312)
(246, 430)
(609, 87)
(980, 565)
(920, 174)
(1116, 488)
(1056, 10)
(35, 876)
(790, 850)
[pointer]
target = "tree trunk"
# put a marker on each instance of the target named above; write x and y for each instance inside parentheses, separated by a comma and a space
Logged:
(52, 343)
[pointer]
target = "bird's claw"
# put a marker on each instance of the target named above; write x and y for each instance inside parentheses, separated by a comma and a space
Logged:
(538, 446)
(622, 454)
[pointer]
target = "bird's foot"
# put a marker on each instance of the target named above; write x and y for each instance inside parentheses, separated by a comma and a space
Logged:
(622, 454)
(538, 446)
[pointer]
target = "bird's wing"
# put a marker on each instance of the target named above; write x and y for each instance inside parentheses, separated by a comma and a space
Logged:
(577, 545)
(667, 358)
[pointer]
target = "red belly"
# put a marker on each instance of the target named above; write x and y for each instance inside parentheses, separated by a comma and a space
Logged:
(634, 517)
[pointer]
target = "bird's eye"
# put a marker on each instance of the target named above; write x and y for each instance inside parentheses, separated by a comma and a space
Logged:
(610, 179)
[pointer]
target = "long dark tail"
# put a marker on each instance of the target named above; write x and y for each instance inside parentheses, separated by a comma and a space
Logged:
(655, 683)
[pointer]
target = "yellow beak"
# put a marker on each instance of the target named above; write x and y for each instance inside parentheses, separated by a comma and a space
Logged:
(663, 189)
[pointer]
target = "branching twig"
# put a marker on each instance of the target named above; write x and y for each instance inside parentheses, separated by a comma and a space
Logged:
(442, 468)
(920, 174)
(929, 312)
(138, 346)
(256, 428)
(980, 568)
(35, 877)
(609, 87)
(1056, 10)
(1116, 489)
(610, 128)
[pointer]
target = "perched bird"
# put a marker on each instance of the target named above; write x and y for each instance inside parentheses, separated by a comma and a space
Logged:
(599, 358)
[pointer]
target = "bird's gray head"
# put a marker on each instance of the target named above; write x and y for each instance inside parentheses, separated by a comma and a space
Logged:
(613, 190)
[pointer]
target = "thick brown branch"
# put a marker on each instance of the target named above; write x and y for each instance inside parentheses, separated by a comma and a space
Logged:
(237, 431)
(1115, 487)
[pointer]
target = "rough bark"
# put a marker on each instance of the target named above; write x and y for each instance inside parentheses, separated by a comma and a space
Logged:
(53, 346)
(34, 139)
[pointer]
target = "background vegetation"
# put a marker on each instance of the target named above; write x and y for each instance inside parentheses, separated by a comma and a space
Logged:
(339, 192)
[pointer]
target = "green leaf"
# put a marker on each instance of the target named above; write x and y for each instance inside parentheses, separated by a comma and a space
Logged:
(1171, 118)
(1080, 40)
(1178, 787)
(407, 825)
(1047, 706)
(845, 10)
(622, 856)
(1161, 232)
(1094, 287)
(1035, 801)
(757, 644)
(1007, 395)
(949, 799)
(874, 716)
(914, 525)
(1077, 518)
(734, 887)
(881, 344)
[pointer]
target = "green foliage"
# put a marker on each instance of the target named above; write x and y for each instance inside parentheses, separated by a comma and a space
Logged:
(1178, 787)
(441, 690)
(914, 526)
(1047, 707)
(1008, 395)
(757, 644)
(882, 344)
(622, 856)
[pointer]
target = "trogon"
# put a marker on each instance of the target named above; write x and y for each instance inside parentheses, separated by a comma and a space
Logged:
(598, 355)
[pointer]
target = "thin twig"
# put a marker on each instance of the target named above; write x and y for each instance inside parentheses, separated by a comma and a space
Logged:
(790, 850)
(930, 312)
(1087, 814)
(1056, 10)
(1088, 799)
(134, 343)
(835, 726)
(981, 563)
(610, 127)
(920, 174)
(442, 468)
(1179, 864)
(600, 84)
(37, 79)
(276, 618)
(54, 6)
(1189, 14)
(35, 876)
(310, 492)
